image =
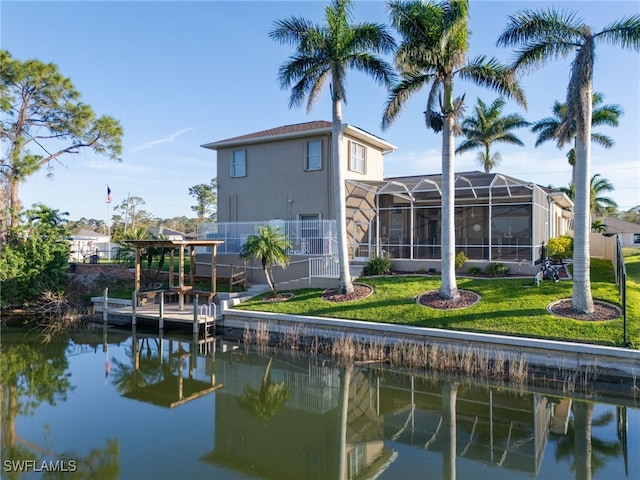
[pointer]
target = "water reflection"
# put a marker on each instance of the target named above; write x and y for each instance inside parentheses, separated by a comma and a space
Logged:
(275, 415)
(34, 373)
(164, 378)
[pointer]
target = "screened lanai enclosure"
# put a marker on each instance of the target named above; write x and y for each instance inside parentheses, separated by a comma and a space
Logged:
(497, 218)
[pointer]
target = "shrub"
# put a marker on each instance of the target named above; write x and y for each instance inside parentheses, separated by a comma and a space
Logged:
(378, 266)
(474, 270)
(461, 259)
(497, 269)
(560, 247)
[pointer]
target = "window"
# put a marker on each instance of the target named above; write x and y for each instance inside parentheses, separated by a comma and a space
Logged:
(238, 164)
(636, 238)
(314, 158)
(357, 158)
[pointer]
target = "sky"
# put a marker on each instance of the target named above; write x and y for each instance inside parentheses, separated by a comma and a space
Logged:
(181, 74)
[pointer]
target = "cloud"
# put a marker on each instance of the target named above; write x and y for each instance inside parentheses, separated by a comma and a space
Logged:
(166, 139)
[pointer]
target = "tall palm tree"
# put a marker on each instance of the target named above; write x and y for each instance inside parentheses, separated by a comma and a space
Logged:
(269, 247)
(602, 115)
(548, 34)
(488, 126)
(433, 52)
(325, 53)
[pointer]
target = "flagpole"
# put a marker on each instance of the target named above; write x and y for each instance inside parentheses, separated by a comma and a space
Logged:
(108, 224)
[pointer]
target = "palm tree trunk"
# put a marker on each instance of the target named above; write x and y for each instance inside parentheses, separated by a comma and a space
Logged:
(346, 286)
(448, 288)
(581, 299)
(268, 277)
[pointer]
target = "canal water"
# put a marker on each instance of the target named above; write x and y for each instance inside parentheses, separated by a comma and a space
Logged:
(110, 404)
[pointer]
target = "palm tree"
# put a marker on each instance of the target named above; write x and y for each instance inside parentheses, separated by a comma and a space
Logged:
(488, 126)
(599, 205)
(325, 53)
(270, 248)
(598, 226)
(433, 51)
(548, 34)
(602, 115)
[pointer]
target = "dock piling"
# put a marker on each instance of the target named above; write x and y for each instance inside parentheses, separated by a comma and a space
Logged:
(161, 312)
(195, 314)
(105, 307)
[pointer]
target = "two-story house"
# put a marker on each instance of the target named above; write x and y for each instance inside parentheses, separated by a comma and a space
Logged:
(283, 176)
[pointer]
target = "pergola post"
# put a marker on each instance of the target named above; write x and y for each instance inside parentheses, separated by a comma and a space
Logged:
(137, 283)
(214, 249)
(181, 279)
(192, 263)
(171, 259)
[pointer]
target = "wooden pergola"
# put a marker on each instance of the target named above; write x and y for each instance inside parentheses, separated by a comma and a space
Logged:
(182, 288)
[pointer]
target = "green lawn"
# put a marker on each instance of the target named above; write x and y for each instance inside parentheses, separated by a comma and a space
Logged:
(513, 306)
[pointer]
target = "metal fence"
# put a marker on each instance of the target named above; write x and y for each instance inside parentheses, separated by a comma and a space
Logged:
(307, 237)
(325, 267)
(621, 281)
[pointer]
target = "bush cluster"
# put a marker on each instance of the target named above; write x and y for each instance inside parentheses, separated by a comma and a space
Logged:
(461, 259)
(497, 269)
(560, 247)
(378, 266)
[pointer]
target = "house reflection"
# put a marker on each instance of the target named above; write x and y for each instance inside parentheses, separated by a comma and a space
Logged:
(329, 427)
(493, 426)
(346, 422)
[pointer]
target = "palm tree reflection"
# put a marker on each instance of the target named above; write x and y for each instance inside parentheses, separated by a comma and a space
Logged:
(266, 402)
(589, 452)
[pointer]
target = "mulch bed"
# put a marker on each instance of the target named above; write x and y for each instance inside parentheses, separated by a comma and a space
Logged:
(360, 291)
(432, 299)
(278, 297)
(601, 311)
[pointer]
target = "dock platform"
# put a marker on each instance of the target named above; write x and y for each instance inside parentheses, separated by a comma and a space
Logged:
(205, 316)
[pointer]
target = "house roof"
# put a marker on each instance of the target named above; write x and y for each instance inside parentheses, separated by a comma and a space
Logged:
(88, 234)
(157, 231)
(318, 127)
(615, 225)
(469, 185)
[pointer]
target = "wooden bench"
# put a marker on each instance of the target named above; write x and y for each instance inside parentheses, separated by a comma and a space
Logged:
(208, 295)
(149, 296)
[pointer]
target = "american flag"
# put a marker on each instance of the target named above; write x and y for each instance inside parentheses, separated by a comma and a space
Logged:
(108, 194)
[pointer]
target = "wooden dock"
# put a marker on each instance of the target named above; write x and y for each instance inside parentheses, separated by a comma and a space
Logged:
(195, 315)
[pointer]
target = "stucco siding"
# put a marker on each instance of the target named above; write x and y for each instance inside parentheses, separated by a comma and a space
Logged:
(276, 184)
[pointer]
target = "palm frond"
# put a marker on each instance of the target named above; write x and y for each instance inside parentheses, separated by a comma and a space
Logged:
(410, 84)
(492, 74)
(624, 32)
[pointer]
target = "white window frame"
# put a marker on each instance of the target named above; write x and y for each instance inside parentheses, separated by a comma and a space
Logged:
(235, 166)
(357, 164)
(308, 156)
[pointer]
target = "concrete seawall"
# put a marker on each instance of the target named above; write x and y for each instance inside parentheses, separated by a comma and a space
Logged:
(620, 362)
